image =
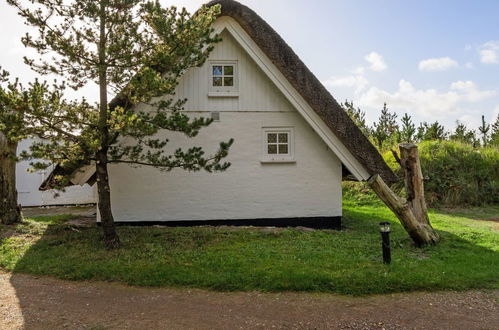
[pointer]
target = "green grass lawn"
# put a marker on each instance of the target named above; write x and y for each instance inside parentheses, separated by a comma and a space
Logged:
(345, 262)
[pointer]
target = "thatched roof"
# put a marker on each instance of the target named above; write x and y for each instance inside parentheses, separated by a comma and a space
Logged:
(308, 86)
(304, 82)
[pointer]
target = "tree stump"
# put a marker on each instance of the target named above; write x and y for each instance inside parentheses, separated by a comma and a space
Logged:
(409, 161)
(412, 212)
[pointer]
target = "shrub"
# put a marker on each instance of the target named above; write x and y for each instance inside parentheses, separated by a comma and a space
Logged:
(456, 173)
(359, 193)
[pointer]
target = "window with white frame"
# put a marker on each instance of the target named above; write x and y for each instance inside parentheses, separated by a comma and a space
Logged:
(278, 145)
(223, 78)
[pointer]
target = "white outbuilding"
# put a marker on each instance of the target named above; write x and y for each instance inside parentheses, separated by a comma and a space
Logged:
(28, 184)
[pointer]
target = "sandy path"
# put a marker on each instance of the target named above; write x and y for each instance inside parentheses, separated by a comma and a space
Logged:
(44, 303)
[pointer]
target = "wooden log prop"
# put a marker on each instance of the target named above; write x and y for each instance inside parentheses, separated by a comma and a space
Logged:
(412, 213)
(420, 232)
(409, 161)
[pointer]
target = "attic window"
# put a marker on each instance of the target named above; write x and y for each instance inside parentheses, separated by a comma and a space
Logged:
(223, 79)
(223, 75)
(278, 145)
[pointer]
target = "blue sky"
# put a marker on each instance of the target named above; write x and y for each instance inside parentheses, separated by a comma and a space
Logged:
(436, 60)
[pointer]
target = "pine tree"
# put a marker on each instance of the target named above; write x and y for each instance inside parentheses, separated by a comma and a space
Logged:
(386, 128)
(431, 132)
(484, 130)
(462, 134)
(408, 131)
(358, 116)
(135, 49)
(494, 136)
(420, 132)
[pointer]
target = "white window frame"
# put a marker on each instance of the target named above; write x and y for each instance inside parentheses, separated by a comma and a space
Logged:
(223, 91)
(278, 158)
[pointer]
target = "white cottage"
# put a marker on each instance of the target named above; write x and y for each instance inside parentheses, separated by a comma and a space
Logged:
(293, 142)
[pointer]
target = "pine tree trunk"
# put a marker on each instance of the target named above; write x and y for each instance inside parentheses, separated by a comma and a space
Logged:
(10, 212)
(111, 239)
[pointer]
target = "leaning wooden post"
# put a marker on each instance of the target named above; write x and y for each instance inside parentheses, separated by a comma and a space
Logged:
(421, 233)
(409, 161)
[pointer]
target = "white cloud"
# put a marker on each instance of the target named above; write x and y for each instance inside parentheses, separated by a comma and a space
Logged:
(359, 82)
(360, 70)
(376, 61)
(437, 64)
(469, 65)
(470, 91)
(427, 104)
(357, 79)
(489, 52)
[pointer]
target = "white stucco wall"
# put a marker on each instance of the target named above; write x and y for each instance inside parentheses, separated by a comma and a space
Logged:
(249, 189)
(311, 187)
(27, 184)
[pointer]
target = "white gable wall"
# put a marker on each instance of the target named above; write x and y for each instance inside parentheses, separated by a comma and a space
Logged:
(257, 92)
(249, 189)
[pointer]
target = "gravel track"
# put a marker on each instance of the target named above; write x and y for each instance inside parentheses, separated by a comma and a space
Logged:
(29, 302)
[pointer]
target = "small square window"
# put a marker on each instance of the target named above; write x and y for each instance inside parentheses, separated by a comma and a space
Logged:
(223, 79)
(223, 76)
(278, 145)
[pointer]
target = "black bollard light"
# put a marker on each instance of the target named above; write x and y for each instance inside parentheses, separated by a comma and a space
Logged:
(384, 228)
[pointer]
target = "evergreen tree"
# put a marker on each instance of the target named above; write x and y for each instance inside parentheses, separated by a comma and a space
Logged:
(430, 132)
(386, 128)
(484, 130)
(494, 136)
(358, 116)
(135, 49)
(420, 132)
(462, 134)
(408, 131)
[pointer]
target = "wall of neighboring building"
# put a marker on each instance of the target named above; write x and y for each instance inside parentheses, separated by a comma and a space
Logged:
(249, 189)
(28, 183)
